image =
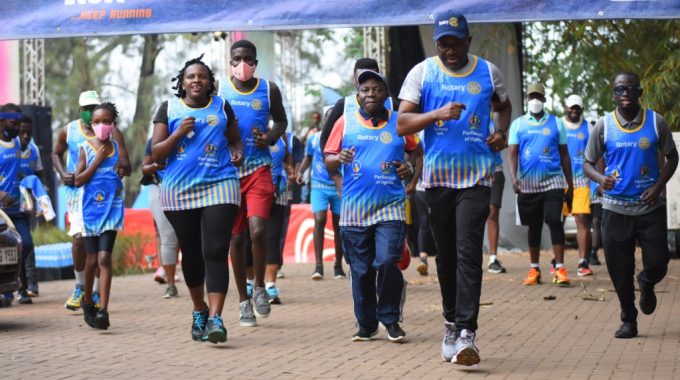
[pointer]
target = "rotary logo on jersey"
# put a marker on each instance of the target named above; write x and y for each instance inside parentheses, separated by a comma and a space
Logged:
(274, 148)
(99, 196)
(546, 131)
(210, 149)
(211, 120)
(474, 87)
(385, 137)
(256, 104)
(475, 122)
(181, 148)
(644, 143)
(580, 136)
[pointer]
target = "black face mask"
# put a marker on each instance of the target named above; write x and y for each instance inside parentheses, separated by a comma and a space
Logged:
(11, 133)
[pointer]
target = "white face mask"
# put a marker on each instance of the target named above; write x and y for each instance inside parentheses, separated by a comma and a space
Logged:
(535, 106)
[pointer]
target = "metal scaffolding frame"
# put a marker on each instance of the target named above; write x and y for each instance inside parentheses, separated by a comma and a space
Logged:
(376, 46)
(33, 72)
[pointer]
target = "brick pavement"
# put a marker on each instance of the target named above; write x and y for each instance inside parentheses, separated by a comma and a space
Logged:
(521, 335)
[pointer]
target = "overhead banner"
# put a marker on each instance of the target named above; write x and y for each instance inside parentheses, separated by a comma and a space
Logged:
(21, 19)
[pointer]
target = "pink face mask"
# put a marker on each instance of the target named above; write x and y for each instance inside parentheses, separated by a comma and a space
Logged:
(243, 71)
(103, 131)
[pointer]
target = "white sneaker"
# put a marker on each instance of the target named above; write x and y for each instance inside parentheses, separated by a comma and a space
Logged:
(466, 352)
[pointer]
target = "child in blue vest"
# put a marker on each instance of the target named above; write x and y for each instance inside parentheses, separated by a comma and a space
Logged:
(101, 194)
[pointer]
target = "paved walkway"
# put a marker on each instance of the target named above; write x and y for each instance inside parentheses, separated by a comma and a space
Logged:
(521, 334)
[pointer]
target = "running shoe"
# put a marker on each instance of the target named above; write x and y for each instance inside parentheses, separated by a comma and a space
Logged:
(364, 335)
(279, 274)
(533, 277)
(215, 331)
(101, 320)
(395, 333)
(496, 267)
(160, 276)
(338, 273)
(89, 313)
(74, 301)
(273, 293)
(561, 277)
(198, 321)
(33, 290)
(466, 352)
(246, 315)
(96, 298)
(584, 269)
(249, 289)
(318, 273)
(261, 299)
(24, 298)
(170, 291)
(422, 266)
(647, 297)
(552, 266)
(449, 342)
(593, 259)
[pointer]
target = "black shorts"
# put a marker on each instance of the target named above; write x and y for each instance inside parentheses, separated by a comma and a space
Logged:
(596, 210)
(534, 208)
(497, 189)
(103, 242)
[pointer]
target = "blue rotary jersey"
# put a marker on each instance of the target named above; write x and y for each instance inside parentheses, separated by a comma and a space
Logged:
(577, 138)
(102, 196)
(75, 135)
(30, 160)
(9, 173)
(199, 172)
(252, 111)
(631, 157)
(320, 177)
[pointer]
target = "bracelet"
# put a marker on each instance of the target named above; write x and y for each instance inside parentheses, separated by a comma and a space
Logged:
(411, 169)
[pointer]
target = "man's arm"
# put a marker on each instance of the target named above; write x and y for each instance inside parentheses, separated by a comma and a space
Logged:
(501, 121)
(410, 121)
(336, 112)
(565, 160)
(61, 147)
(124, 167)
(278, 114)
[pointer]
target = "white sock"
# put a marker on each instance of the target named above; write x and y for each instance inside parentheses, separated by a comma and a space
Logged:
(559, 265)
(268, 285)
(581, 261)
(535, 265)
(492, 258)
(251, 281)
(95, 288)
(80, 277)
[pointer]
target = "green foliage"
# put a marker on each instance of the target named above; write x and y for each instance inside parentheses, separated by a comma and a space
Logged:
(48, 234)
(583, 57)
(128, 254)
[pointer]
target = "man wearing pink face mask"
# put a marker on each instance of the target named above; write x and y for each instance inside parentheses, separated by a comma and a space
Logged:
(253, 100)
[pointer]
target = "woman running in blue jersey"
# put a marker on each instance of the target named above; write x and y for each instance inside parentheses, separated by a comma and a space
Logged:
(101, 194)
(196, 135)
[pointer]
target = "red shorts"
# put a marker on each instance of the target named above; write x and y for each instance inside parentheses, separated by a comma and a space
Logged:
(257, 196)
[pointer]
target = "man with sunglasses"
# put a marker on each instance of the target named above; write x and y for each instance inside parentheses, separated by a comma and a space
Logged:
(630, 140)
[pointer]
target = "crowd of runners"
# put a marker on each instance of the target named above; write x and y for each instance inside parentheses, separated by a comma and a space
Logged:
(221, 169)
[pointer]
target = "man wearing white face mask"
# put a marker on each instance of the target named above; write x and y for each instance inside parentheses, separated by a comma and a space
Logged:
(540, 171)
(253, 100)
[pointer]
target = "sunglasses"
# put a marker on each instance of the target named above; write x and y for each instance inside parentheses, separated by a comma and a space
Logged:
(632, 91)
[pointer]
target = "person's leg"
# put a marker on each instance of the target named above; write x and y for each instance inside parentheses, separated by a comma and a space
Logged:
(530, 210)
(22, 225)
(166, 235)
(583, 241)
(553, 203)
(91, 244)
(105, 247)
(389, 241)
(596, 237)
(78, 254)
(274, 231)
(424, 232)
(216, 224)
(618, 235)
(237, 249)
(651, 231)
(492, 225)
(359, 244)
(320, 219)
(335, 205)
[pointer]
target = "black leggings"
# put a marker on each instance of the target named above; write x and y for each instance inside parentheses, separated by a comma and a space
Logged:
(425, 239)
(274, 232)
(204, 235)
(103, 242)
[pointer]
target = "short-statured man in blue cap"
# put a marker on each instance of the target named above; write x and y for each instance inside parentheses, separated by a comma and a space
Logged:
(450, 97)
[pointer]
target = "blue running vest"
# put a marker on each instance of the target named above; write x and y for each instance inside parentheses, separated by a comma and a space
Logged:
(29, 159)
(102, 197)
(456, 154)
(75, 135)
(631, 157)
(199, 173)
(10, 153)
(252, 111)
(320, 177)
(371, 190)
(540, 167)
(577, 139)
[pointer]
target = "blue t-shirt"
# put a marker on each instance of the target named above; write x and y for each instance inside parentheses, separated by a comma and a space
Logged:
(10, 154)
(75, 135)
(30, 160)
(320, 177)
(540, 165)
(577, 139)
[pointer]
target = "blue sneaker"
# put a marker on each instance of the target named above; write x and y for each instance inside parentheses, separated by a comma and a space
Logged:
(199, 321)
(214, 330)
(96, 299)
(273, 293)
(6, 299)
(249, 290)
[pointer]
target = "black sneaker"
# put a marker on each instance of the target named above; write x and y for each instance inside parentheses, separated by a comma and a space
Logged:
(626, 331)
(593, 260)
(24, 298)
(647, 298)
(101, 320)
(395, 333)
(214, 330)
(364, 335)
(496, 267)
(338, 273)
(89, 313)
(198, 323)
(318, 273)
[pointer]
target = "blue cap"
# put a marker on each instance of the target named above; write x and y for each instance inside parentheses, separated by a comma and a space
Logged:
(368, 74)
(450, 24)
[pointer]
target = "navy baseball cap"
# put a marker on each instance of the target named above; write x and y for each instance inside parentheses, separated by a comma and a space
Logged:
(450, 24)
(368, 74)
